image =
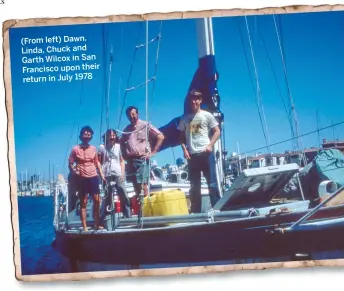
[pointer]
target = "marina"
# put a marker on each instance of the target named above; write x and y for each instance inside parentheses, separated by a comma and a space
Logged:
(279, 200)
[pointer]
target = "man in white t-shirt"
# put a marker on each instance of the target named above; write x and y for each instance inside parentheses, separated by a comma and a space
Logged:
(196, 128)
(113, 167)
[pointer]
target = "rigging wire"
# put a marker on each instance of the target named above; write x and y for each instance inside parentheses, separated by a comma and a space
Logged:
(251, 79)
(108, 89)
(270, 63)
(302, 135)
(104, 71)
(72, 132)
(224, 153)
(140, 85)
(129, 77)
(147, 161)
(278, 86)
(147, 67)
(298, 142)
(157, 58)
(66, 155)
(283, 63)
(265, 130)
(146, 83)
(120, 76)
(128, 89)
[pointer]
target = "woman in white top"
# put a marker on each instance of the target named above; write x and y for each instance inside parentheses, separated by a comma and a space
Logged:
(113, 167)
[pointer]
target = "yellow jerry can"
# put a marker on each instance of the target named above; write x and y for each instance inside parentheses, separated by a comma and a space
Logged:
(165, 203)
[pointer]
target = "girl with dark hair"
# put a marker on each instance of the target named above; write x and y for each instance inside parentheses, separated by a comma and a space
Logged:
(85, 158)
(110, 156)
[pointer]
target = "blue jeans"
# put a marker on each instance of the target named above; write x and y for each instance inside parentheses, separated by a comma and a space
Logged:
(202, 162)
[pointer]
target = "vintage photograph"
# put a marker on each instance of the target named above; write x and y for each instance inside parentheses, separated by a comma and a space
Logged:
(164, 143)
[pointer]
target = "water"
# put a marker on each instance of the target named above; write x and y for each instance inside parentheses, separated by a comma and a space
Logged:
(36, 236)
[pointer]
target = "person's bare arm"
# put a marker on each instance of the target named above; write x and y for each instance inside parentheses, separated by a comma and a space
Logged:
(122, 168)
(154, 133)
(96, 162)
(100, 157)
(183, 145)
(71, 162)
(159, 140)
(71, 166)
(214, 138)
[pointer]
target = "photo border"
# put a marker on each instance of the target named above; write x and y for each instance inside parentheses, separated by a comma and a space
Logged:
(36, 22)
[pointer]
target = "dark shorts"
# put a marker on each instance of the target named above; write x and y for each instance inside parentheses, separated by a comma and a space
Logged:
(87, 185)
(138, 170)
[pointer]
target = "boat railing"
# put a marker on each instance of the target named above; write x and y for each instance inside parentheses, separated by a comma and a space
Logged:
(60, 207)
(314, 210)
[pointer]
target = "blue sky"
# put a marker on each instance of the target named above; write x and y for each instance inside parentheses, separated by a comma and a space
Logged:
(47, 115)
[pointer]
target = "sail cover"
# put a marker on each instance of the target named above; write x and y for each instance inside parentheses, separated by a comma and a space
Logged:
(205, 80)
(330, 165)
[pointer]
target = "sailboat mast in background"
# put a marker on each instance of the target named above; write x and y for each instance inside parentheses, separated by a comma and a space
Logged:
(206, 55)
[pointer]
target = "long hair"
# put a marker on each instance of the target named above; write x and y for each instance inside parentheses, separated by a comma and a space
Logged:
(106, 135)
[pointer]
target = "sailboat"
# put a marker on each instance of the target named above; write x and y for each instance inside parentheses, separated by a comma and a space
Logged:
(243, 225)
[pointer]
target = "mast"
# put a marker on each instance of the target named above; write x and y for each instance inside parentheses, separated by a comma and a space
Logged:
(205, 38)
(239, 158)
(49, 179)
(25, 181)
(206, 52)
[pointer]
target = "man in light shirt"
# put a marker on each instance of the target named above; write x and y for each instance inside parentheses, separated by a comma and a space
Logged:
(197, 147)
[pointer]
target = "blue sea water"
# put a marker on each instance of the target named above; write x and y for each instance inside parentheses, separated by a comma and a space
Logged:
(36, 236)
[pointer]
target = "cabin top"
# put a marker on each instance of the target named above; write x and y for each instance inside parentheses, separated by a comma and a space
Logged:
(256, 186)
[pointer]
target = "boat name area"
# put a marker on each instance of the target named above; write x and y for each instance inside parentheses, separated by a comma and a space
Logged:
(50, 59)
